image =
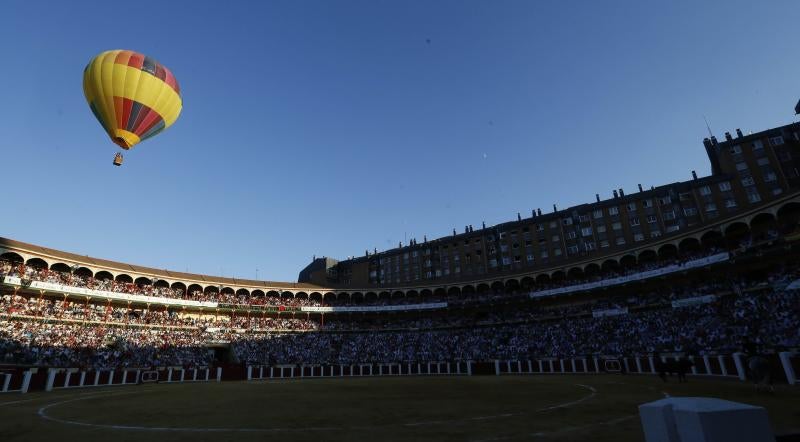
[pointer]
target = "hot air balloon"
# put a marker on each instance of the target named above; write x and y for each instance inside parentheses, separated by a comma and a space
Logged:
(132, 96)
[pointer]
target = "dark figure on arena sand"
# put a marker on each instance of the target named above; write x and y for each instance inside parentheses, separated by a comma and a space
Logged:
(672, 366)
(758, 369)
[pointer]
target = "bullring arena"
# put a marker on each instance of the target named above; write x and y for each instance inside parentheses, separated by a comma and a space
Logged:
(555, 326)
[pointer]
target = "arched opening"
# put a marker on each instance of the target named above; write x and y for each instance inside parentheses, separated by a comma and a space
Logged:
(689, 247)
(609, 267)
(84, 272)
(142, 281)
(527, 283)
(315, 297)
(512, 286)
(179, 288)
(789, 218)
(439, 293)
(454, 292)
(764, 227)
(737, 234)
(712, 239)
(343, 297)
(667, 252)
(627, 262)
(407, 294)
(257, 293)
(211, 291)
(412, 297)
(287, 295)
(591, 271)
(558, 277)
(357, 298)
(37, 263)
(385, 296)
(370, 297)
(483, 289)
(242, 293)
(61, 267)
(468, 291)
(123, 278)
(542, 279)
(575, 275)
(273, 297)
(161, 284)
(329, 297)
(425, 293)
(103, 276)
(498, 287)
(194, 290)
(12, 258)
(647, 257)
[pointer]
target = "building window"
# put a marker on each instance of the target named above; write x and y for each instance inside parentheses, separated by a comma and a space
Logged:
(758, 144)
(690, 211)
(725, 186)
(603, 244)
(586, 231)
(705, 190)
(584, 218)
(601, 229)
(572, 250)
(777, 191)
(617, 226)
(506, 260)
(620, 241)
(540, 227)
(741, 166)
(730, 203)
(613, 211)
(664, 200)
(598, 213)
(748, 181)
(647, 204)
(589, 246)
(655, 234)
(555, 238)
(631, 207)
(776, 141)
(763, 161)
(669, 215)
(530, 257)
(567, 221)
(752, 195)
(651, 219)
(556, 252)
(711, 207)
(736, 149)
(673, 228)
(544, 254)
(571, 235)
(770, 177)
(638, 237)
(634, 221)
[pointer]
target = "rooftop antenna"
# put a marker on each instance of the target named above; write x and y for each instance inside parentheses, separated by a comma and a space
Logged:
(708, 127)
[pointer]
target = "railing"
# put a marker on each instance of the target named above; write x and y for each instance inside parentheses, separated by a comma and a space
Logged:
(701, 262)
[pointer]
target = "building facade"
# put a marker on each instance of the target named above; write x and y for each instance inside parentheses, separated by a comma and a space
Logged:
(748, 172)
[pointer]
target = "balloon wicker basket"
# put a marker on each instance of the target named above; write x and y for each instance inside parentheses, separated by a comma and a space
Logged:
(118, 159)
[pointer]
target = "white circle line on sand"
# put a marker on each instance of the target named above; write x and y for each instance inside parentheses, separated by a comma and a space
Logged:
(42, 412)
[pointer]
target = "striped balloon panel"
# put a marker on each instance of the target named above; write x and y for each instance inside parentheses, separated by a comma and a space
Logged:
(132, 96)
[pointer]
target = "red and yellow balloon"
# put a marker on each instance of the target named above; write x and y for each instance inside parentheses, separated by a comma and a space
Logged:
(132, 96)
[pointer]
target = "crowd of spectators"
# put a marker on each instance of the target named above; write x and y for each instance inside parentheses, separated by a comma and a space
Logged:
(761, 308)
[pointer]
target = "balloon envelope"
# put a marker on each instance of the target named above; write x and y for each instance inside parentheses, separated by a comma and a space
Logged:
(132, 96)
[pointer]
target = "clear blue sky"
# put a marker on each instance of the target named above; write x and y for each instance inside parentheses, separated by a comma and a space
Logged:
(332, 127)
